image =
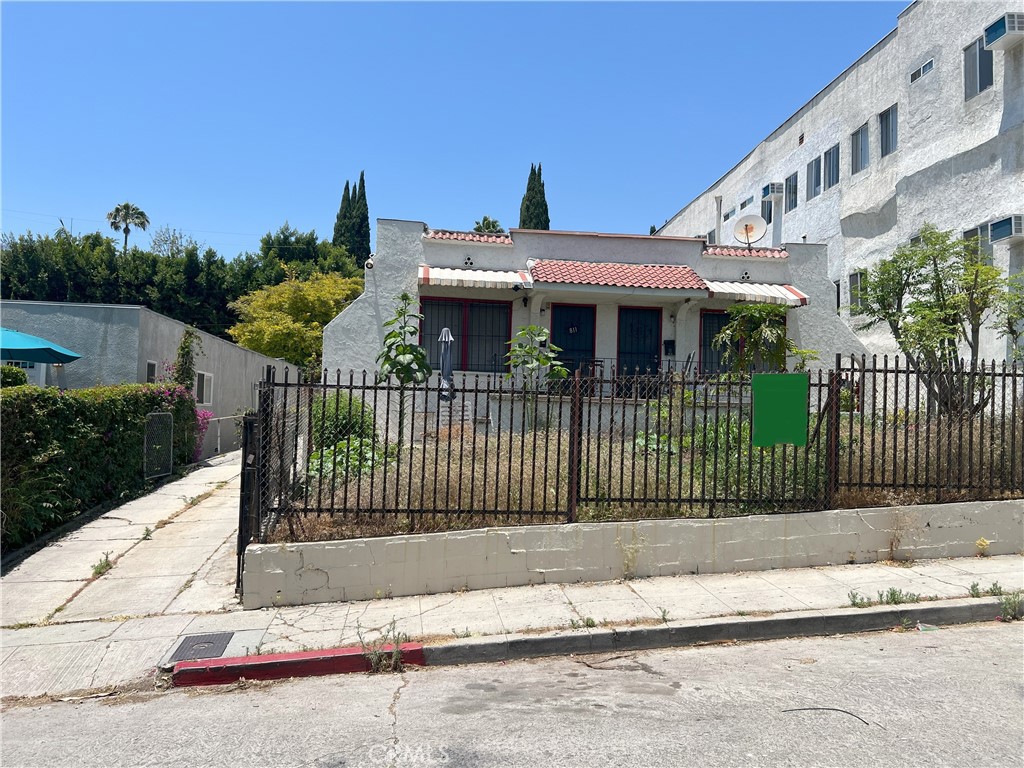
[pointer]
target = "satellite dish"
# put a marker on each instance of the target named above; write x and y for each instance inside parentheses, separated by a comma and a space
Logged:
(749, 229)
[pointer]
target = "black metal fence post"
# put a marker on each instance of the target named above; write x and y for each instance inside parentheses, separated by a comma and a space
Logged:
(832, 434)
(575, 445)
(246, 497)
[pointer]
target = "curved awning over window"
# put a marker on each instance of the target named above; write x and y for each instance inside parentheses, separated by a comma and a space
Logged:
(769, 293)
(474, 278)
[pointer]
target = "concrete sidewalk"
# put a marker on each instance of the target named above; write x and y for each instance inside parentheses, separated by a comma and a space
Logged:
(65, 633)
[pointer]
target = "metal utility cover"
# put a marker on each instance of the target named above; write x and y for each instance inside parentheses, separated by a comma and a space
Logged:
(202, 647)
(780, 408)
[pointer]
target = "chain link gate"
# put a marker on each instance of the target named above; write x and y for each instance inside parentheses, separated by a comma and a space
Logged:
(158, 446)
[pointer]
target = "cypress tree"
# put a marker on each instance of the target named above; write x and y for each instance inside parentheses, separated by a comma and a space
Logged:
(341, 222)
(533, 212)
(360, 246)
(543, 220)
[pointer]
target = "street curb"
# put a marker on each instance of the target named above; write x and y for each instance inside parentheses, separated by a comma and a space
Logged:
(279, 665)
(721, 629)
(672, 634)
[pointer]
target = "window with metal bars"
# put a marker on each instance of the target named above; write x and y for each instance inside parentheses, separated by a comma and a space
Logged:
(481, 329)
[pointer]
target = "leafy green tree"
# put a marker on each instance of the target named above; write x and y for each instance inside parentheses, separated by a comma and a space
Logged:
(533, 211)
(755, 338)
(287, 320)
(934, 296)
(489, 225)
(124, 217)
(1010, 315)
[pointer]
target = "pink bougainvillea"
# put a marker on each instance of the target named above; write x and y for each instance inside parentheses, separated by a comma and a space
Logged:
(202, 423)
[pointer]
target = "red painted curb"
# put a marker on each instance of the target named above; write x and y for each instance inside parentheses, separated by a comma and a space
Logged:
(274, 666)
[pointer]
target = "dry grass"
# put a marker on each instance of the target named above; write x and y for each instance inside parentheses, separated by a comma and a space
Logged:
(523, 478)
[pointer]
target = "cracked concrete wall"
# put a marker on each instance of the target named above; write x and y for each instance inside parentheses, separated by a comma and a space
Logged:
(364, 569)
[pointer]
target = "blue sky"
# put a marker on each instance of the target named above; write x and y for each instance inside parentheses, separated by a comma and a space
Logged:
(225, 120)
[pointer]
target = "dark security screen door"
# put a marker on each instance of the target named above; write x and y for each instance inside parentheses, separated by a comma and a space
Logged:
(572, 329)
(639, 339)
(710, 358)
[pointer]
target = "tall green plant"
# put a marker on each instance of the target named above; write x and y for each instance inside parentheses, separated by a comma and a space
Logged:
(401, 356)
(185, 364)
(535, 358)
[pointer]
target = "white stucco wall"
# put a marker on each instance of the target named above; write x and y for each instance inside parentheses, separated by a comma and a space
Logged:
(958, 163)
(363, 569)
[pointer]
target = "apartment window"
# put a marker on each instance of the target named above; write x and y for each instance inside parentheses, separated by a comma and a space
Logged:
(791, 193)
(921, 71)
(766, 211)
(482, 330)
(150, 372)
(856, 302)
(887, 129)
(838, 296)
(729, 214)
(860, 152)
(710, 237)
(746, 202)
(916, 239)
(204, 388)
(977, 69)
(832, 167)
(814, 178)
(980, 233)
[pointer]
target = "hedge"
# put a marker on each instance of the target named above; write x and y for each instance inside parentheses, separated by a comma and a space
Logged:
(12, 376)
(62, 453)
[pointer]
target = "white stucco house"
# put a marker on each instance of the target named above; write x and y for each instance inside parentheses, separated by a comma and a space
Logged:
(629, 301)
(926, 127)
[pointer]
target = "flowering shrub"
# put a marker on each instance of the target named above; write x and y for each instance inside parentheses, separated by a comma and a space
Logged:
(202, 424)
(62, 453)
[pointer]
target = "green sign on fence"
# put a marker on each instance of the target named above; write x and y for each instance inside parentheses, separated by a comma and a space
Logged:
(780, 408)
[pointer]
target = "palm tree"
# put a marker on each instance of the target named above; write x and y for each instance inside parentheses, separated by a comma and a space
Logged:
(125, 216)
(489, 225)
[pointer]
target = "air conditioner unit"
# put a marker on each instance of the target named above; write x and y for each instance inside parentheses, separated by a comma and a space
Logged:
(775, 188)
(1005, 32)
(1011, 229)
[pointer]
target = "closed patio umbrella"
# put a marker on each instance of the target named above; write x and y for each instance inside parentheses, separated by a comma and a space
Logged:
(447, 392)
(15, 345)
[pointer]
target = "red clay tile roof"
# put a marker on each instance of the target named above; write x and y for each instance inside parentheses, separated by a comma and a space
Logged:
(609, 273)
(739, 250)
(472, 237)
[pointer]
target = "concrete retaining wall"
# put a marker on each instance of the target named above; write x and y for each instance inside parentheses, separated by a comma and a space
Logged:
(362, 569)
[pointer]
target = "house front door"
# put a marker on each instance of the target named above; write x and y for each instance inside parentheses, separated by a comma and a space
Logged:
(639, 340)
(573, 329)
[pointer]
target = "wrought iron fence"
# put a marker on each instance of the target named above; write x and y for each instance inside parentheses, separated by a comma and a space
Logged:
(352, 456)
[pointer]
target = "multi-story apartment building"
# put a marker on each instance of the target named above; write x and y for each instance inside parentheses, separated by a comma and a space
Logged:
(926, 127)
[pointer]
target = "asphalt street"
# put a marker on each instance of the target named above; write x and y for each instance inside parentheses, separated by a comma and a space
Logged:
(948, 697)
